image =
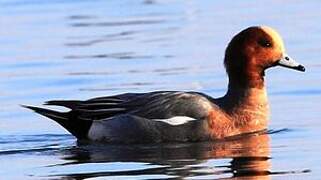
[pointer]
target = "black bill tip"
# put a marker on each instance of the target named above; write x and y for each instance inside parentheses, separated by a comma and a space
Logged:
(300, 68)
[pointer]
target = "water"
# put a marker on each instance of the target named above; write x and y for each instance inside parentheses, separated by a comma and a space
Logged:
(64, 49)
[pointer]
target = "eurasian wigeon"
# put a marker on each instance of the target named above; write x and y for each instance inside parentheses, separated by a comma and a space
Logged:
(165, 116)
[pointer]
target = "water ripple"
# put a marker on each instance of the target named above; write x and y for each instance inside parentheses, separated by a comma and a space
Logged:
(117, 23)
(121, 55)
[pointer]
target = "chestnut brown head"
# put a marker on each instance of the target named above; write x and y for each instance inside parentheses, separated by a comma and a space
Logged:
(252, 51)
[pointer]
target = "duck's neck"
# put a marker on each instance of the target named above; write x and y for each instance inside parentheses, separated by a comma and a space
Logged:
(247, 105)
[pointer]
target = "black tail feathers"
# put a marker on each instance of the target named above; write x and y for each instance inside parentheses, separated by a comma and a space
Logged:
(68, 120)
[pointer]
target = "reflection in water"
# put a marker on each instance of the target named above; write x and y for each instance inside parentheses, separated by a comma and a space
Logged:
(246, 156)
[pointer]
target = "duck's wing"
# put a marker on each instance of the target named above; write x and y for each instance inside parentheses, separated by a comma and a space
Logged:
(97, 108)
(155, 109)
(153, 105)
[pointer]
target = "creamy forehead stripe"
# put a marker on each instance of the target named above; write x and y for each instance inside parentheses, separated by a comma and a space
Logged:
(275, 36)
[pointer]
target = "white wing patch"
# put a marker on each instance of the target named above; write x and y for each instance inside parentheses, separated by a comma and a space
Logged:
(176, 120)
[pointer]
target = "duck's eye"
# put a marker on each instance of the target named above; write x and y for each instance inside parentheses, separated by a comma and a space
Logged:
(265, 43)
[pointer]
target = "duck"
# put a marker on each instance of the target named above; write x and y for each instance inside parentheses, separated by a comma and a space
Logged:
(185, 116)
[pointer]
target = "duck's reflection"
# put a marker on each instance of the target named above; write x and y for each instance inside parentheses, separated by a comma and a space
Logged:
(241, 157)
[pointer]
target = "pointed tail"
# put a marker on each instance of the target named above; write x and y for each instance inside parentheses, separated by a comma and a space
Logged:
(68, 120)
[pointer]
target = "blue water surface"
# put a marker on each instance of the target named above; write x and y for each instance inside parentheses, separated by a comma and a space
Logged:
(65, 49)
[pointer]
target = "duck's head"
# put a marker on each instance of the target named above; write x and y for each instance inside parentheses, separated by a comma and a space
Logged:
(252, 51)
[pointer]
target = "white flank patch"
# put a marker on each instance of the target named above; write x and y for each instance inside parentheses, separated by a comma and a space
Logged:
(176, 120)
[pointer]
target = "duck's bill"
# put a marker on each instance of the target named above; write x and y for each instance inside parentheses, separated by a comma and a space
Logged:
(288, 62)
